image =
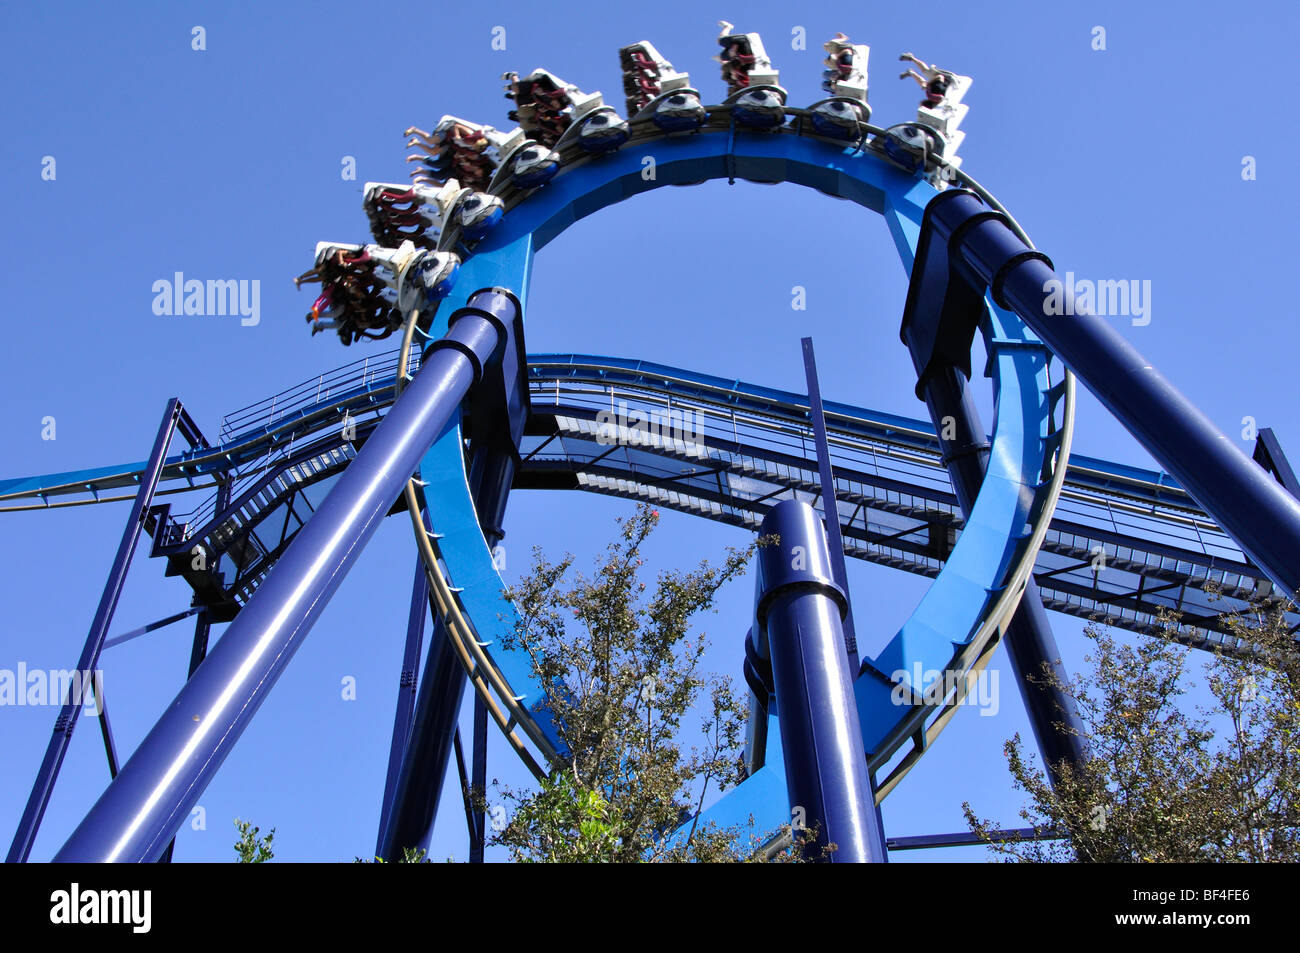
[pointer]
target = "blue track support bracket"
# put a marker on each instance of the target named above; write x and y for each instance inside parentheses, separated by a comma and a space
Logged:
(57, 749)
(830, 504)
(799, 609)
(967, 247)
(143, 807)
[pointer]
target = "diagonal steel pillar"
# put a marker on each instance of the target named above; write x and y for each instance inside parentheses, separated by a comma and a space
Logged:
(966, 247)
(39, 799)
(826, 475)
(406, 690)
(143, 807)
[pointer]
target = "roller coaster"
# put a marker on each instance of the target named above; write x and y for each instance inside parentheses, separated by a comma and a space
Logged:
(443, 426)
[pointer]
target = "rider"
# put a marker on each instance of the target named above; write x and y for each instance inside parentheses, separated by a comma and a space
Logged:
(933, 80)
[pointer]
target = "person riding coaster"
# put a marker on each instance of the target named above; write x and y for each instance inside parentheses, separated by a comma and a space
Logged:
(743, 59)
(543, 103)
(934, 81)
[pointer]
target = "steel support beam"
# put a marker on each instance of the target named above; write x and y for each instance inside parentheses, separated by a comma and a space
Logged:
(198, 652)
(57, 749)
(1268, 454)
(106, 730)
(970, 838)
(830, 505)
(799, 610)
(406, 690)
(965, 243)
(143, 807)
(478, 782)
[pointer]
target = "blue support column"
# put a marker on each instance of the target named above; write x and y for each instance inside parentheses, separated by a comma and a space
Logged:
(406, 691)
(143, 807)
(1031, 647)
(106, 730)
(199, 647)
(424, 762)
(800, 608)
(198, 651)
(39, 799)
(966, 247)
(478, 779)
(826, 475)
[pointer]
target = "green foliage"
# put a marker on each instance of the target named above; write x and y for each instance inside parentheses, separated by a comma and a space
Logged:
(1162, 784)
(410, 855)
(621, 668)
(250, 848)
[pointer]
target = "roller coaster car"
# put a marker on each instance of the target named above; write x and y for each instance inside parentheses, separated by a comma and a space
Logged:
(644, 58)
(354, 299)
(598, 130)
(429, 277)
(540, 87)
(945, 117)
(415, 275)
(744, 61)
(839, 118)
(677, 111)
(525, 163)
(846, 76)
(647, 75)
(759, 107)
(378, 196)
(399, 213)
(543, 103)
(477, 213)
(907, 145)
(455, 147)
(333, 257)
(533, 165)
(459, 134)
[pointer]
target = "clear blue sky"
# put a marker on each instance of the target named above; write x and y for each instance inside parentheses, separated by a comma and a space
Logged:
(226, 164)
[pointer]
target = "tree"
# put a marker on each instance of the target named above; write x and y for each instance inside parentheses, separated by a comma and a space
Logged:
(1218, 783)
(621, 670)
(410, 855)
(251, 848)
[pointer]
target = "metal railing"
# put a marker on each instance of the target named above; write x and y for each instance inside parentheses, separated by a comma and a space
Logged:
(375, 372)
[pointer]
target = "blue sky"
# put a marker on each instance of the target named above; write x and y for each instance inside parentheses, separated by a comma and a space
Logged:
(225, 163)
